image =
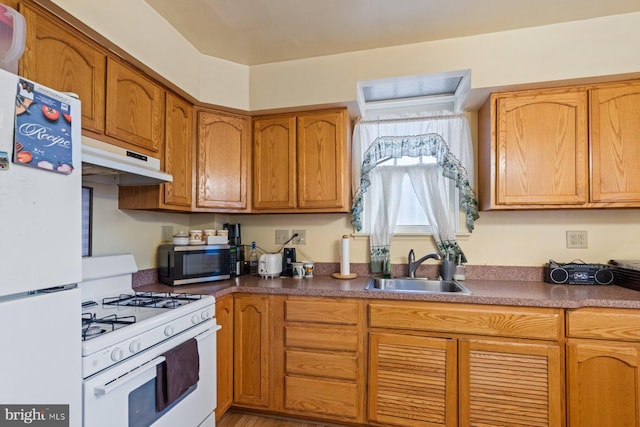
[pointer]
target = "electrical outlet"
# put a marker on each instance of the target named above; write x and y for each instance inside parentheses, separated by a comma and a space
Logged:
(576, 239)
(301, 238)
(167, 233)
(282, 236)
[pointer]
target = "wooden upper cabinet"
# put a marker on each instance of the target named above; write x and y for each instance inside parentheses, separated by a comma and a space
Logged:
(323, 171)
(134, 109)
(301, 162)
(178, 152)
(64, 60)
(274, 160)
(223, 158)
(537, 153)
(615, 143)
(177, 161)
(573, 147)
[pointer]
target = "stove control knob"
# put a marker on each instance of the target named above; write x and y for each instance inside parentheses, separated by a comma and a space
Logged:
(168, 331)
(205, 315)
(116, 354)
(195, 319)
(134, 347)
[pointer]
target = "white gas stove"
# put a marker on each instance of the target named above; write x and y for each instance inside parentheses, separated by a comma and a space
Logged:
(126, 336)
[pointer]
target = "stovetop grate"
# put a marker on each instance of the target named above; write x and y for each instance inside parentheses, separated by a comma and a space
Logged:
(151, 299)
(93, 326)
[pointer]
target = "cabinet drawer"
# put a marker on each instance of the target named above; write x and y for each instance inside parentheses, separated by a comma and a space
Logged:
(326, 397)
(341, 338)
(326, 365)
(516, 322)
(604, 323)
(320, 310)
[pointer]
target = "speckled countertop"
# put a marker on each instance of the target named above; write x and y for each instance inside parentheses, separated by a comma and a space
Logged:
(493, 292)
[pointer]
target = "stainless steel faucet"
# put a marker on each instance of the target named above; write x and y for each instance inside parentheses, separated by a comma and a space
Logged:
(413, 264)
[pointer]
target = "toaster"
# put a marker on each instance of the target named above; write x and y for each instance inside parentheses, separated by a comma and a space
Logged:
(270, 265)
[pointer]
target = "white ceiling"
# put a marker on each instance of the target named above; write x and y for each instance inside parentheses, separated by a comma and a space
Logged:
(255, 32)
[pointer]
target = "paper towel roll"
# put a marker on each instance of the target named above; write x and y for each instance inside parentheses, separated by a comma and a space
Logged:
(344, 256)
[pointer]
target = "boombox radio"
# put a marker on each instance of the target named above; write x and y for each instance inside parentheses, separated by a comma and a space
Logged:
(578, 274)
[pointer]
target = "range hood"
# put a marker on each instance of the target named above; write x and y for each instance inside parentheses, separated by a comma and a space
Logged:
(107, 164)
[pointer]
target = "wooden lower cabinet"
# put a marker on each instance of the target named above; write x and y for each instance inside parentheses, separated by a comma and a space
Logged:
(251, 351)
(508, 361)
(510, 384)
(323, 366)
(224, 354)
(603, 383)
(393, 363)
(603, 374)
(412, 380)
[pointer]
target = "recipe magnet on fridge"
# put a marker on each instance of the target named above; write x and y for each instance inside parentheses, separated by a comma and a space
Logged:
(42, 129)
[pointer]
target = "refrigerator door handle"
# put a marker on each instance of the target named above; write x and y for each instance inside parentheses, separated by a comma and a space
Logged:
(109, 387)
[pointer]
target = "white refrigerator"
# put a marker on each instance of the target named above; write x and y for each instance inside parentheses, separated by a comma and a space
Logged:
(40, 255)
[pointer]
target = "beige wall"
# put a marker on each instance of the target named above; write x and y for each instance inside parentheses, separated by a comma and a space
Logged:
(593, 48)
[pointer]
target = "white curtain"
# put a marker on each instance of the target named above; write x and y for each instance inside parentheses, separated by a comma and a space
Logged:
(385, 204)
(428, 182)
(453, 128)
(444, 136)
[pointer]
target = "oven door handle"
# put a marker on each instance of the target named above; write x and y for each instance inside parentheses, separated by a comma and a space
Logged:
(109, 387)
(206, 333)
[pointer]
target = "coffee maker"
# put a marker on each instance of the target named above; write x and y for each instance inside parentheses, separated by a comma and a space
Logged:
(237, 251)
(288, 257)
(234, 233)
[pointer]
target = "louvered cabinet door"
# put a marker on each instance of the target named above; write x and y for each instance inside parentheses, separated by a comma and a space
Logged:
(412, 380)
(510, 384)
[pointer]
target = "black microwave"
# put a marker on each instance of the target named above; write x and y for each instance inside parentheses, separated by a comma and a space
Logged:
(182, 265)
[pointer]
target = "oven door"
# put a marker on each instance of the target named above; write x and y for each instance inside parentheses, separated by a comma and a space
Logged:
(125, 394)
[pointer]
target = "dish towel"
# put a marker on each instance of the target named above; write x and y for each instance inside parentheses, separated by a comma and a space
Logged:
(177, 373)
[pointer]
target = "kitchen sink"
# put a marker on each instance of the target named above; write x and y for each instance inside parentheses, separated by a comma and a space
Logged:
(416, 285)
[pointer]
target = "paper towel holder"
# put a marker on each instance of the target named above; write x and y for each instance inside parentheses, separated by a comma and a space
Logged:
(339, 275)
(344, 276)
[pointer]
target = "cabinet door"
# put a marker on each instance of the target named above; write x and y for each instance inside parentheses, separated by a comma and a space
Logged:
(223, 161)
(511, 384)
(251, 351)
(274, 157)
(323, 172)
(135, 109)
(412, 380)
(64, 60)
(178, 152)
(542, 148)
(615, 140)
(224, 317)
(602, 381)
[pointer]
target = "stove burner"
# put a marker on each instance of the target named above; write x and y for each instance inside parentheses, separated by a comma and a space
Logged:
(152, 299)
(92, 326)
(92, 331)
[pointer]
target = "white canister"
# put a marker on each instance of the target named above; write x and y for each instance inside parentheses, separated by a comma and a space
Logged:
(195, 236)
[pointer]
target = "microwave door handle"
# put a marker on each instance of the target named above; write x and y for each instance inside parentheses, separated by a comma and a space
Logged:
(109, 387)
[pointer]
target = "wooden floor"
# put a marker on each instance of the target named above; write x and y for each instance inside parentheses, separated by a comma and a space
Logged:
(239, 419)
